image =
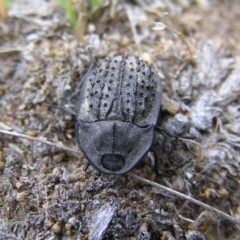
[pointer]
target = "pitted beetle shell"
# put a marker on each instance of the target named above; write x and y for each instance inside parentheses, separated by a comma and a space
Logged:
(118, 110)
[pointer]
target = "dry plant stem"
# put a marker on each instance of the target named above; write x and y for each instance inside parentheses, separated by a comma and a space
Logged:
(82, 21)
(186, 42)
(201, 150)
(133, 27)
(199, 156)
(41, 141)
(201, 204)
(211, 138)
(163, 188)
(12, 50)
(3, 10)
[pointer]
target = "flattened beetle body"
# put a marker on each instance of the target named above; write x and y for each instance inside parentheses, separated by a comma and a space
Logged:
(118, 110)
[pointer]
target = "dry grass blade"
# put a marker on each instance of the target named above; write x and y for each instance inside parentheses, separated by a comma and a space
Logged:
(82, 21)
(183, 196)
(3, 10)
(132, 22)
(40, 140)
(159, 26)
(201, 150)
(211, 138)
(12, 50)
(200, 154)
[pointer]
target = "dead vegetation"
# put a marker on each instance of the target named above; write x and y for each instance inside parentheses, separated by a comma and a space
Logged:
(46, 191)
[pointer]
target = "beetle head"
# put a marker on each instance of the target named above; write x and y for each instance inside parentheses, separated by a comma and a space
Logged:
(114, 147)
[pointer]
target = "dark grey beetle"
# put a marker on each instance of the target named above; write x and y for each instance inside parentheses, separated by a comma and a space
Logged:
(119, 106)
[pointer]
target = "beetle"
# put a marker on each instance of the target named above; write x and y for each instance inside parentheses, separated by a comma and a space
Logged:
(118, 109)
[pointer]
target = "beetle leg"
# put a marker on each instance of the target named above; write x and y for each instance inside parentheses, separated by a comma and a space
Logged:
(92, 65)
(167, 134)
(86, 167)
(157, 163)
(68, 110)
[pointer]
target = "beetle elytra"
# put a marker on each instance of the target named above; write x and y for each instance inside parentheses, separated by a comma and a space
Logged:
(118, 110)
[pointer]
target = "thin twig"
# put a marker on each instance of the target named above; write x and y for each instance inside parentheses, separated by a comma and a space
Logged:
(12, 50)
(40, 140)
(183, 196)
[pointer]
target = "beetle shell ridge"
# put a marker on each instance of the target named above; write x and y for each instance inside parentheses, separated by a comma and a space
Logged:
(119, 106)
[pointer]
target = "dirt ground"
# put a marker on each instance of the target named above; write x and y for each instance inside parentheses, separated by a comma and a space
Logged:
(48, 192)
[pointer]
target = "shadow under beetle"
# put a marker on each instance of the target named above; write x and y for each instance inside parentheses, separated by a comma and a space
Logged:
(118, 109)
